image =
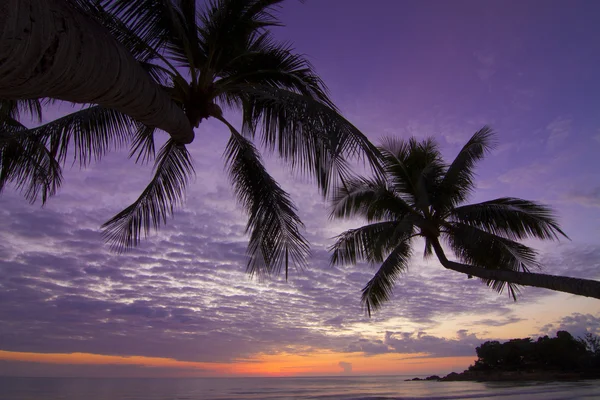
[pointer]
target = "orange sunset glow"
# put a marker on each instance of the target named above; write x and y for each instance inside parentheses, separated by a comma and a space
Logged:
(284, 364)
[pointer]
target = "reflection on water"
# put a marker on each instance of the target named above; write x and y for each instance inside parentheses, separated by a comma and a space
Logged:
(330, 388)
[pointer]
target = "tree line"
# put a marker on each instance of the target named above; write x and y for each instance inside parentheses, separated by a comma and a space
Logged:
(563, 353)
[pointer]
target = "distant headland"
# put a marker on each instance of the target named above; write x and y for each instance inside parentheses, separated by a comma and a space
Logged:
(546, 359)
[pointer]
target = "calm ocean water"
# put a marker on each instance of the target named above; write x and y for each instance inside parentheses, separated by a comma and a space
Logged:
(329, 388)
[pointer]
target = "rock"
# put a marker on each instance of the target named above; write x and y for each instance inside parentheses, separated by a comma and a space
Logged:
(452, 376)
(429, 378)
(491, 376)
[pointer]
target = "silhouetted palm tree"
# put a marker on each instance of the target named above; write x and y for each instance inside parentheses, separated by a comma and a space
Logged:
(420, 196)
(212, 59)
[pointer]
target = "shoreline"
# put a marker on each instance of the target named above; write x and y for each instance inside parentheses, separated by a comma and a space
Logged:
(513, 376)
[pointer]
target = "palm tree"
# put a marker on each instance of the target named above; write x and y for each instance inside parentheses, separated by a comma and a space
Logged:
(419, 196)
(52, 49)
(209, 60)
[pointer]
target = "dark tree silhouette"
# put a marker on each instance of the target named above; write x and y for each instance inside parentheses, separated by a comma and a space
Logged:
(418, 195)
(209, 60)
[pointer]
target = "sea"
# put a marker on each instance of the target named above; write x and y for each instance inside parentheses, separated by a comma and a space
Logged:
(313, 388)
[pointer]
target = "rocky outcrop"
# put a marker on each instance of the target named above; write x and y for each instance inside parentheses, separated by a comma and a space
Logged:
(429, 378)
(490, 376)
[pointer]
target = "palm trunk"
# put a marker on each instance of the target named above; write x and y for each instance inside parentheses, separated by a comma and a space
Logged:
(49, 48)
(580, 287)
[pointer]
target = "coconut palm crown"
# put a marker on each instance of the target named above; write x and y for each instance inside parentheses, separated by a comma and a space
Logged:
(420, 196)
(210, 60)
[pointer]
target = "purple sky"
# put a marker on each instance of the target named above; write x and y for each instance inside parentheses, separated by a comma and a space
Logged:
(407, 68)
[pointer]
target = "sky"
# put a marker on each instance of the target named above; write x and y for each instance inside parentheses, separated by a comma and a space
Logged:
(181, 303)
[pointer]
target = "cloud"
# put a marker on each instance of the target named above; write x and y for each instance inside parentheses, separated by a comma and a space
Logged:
(183, 293)
(525, 175)
(576, 324)
(420, 342)
(571, 259)
(498, 322)
(345, 366)
(587, 199)
(559, 129)
(486, 65)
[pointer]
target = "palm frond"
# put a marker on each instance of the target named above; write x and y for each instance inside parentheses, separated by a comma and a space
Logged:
(458, 183)
(142, 50)
(166, 190)
(160, 75)
(310, 136)
(414, 168)
(17, 109)
(143, 146)
(428, 252)
(483, 249)
(191, 39)
(371, 243)
(427, 184)
(86, 134)
(267, 63)
(26, 162)
(379, 289)
(228, 28)
(274, 226)
(511, 218)
(97, 10)
(371, 199)
(159, 25)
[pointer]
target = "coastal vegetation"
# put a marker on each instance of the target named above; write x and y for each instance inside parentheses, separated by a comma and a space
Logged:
(560, 357)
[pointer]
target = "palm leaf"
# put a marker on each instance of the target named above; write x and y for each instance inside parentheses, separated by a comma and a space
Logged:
(228, 28)
(270, 64)
(86, 134)
(458, 182)
(160, 75)
(310, 136)
(26, 162)
(371, 243)
(379, 289)
(274, 226)
(158, 24)
(414, 168)
(166, 190)
(511, 218)
(143, 146)
(17, 109)
(97, 9)
(139, 48)
(190, 35)
(372, 199)
(482, 249)
(428, 252)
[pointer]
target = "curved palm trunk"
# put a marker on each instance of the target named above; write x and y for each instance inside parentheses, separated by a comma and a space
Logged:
(581, 287)
(48, 48)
